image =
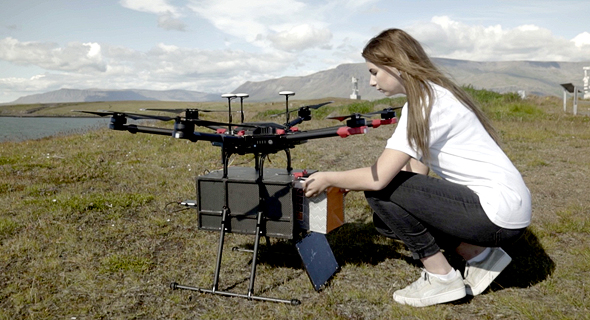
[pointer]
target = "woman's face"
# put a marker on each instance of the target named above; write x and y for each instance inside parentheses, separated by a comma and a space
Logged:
(386, 79)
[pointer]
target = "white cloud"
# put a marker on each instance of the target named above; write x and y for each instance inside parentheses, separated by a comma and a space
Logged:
(354, 4)
(84, 65)
(94, 51)
(168, 15)
(581, 40)
(73, 57)
(255, 20)
(167, 21)
(300, 38)
(446, 38)
(26, 86)
(150, 6)
(276, 38)
(185, 62)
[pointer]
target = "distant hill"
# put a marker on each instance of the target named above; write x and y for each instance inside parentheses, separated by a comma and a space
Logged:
(538, 78)
(93, 95)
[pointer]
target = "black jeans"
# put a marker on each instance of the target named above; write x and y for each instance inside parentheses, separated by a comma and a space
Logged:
(428, 214)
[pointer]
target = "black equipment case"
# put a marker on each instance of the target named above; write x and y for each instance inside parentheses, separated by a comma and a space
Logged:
(244, 201)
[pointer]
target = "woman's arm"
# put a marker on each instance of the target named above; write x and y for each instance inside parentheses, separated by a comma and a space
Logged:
(416, 166)
(375, 177)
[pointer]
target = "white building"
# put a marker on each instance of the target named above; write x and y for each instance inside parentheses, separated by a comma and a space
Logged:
(586, 85)
(355, 89)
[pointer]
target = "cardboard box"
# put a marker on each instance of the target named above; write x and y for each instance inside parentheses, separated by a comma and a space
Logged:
(322, 213)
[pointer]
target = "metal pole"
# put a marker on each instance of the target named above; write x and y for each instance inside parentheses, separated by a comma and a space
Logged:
(575, 100)
(287, 94)
(242, 96)
(224, 217)
(229, 97)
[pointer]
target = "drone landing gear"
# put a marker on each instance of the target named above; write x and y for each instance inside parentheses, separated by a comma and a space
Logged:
(226, 226)
(249, 295)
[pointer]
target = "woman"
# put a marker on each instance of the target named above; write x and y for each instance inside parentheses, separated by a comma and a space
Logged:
(481, 201)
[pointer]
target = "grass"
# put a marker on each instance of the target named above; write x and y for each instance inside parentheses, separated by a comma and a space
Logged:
(90, 228)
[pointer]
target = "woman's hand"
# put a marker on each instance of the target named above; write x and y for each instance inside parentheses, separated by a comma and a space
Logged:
(315, 184)
(375, 177)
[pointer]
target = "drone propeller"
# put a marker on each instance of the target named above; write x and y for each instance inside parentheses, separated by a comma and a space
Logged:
(207, 123)
(182, 110)
(122, 115)
(134, 116)
(386, 113)
(189, 114)
(315, 106)
(342, 118)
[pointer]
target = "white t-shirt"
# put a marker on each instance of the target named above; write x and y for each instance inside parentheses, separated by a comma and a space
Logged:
(463, 152)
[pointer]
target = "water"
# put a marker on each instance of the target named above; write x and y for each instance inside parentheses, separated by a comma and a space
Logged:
(27, 128)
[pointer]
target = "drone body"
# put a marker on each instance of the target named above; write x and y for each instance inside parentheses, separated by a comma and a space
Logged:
(247, 138)
(264, 206)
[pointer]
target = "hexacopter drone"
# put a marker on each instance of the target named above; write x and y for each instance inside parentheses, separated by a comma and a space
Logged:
(257, 201)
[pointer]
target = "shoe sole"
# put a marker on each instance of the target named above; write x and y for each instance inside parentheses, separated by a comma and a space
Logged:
(437, 299)
(486, 280)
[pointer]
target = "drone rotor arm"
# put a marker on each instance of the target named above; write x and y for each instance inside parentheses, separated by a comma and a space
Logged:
(341, 131)
(194, 136)
(142, 129)
(379, 122)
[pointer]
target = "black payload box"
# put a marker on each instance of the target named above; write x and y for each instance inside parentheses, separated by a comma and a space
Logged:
(244, 194)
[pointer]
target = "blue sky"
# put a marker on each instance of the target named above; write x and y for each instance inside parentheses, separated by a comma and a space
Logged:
(216, 45)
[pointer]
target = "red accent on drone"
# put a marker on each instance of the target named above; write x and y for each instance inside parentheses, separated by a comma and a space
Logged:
(300, 174)
(348, 131)
(378, 122)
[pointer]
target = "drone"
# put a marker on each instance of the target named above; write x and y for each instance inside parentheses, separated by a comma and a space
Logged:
(254, 201)
(258, 138)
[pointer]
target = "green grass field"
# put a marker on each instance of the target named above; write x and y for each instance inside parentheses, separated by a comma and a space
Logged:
(90, 228)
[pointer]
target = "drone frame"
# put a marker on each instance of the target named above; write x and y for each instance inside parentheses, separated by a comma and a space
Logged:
(259, 139)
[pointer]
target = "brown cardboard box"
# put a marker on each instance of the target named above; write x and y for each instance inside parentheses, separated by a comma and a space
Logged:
(322, 213)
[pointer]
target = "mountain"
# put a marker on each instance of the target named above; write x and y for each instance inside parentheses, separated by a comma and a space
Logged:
(92, 95)
(538, 78)
(533, 77)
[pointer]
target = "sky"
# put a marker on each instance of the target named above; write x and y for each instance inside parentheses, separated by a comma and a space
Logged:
(214, 46)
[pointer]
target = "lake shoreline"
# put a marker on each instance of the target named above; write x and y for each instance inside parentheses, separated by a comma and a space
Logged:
(21, 128)
(30, 115)
(45, 116)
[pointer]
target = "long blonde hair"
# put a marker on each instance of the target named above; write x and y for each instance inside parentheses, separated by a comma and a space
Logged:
(395, 48)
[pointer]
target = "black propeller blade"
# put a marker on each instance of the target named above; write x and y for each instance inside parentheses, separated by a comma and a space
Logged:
(342, 118)
(387, 113)
(207, 123)
(134, 116)
(315, 106)
(182, 110)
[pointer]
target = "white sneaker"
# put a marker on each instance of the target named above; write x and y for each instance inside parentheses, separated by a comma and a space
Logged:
(429, 290)
(479, 275)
